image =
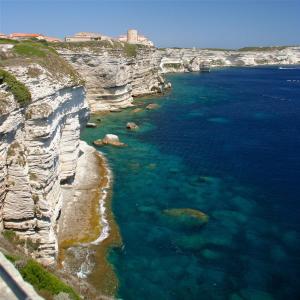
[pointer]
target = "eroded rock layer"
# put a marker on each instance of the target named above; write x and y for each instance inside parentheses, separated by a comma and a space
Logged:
(114, 78)
(38, 152)
(188, 59)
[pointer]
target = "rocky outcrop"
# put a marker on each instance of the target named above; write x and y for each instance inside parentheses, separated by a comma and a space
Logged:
(39, 148)
(109, 139)
(189, 60)
(114, 78)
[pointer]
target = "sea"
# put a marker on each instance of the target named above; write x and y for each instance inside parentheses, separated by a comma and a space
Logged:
(227, 145)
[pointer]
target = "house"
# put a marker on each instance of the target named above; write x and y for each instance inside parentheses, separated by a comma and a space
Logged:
(23, 36)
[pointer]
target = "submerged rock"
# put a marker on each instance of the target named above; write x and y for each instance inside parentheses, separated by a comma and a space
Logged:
(109, 139)
(187, 216)
(152, 106)
(131, 126)
(136, 110)
(91, 125)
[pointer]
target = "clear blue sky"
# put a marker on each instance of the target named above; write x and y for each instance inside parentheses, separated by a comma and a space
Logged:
(185, 23)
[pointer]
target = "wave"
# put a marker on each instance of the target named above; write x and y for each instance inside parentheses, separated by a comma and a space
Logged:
(288, 68)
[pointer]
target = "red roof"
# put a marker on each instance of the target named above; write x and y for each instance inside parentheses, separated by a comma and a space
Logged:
(24, 35)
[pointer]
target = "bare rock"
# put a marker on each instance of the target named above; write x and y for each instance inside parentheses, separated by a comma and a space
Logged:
(131, 126)
(91, 125)
(137, 110)
(152, 106)
(109, 139)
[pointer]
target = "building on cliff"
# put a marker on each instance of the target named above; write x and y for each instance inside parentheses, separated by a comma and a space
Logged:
(3, 36)
(86, 36)
(23, 36)
(133, 37)
(26, 36)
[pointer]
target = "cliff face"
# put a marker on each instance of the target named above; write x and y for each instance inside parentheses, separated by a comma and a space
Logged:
(38, 152)
(114, 78)
(187, 60)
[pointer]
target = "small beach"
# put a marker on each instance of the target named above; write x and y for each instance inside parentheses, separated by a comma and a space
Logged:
(86, 227)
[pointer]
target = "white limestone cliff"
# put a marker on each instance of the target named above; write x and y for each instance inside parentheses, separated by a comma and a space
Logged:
(188, 59)
(113, 78)
(39, 147)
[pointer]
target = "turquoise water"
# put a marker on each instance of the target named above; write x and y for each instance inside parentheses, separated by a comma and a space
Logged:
(225, 143)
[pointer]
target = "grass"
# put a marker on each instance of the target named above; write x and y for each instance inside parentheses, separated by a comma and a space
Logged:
(28, 52)
(17, 88)
(172, 65)
(12, 258)
(30, 49)
(272, 48)
(8, 41)
(44, 281)
(129, 50)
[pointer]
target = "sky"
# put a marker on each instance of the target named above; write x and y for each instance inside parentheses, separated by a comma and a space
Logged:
(168, 23)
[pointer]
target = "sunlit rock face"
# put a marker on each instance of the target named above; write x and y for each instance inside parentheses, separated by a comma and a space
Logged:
(188, 59)
(112, 78)
(39, 147)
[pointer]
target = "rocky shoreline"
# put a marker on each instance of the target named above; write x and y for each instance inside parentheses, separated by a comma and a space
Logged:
(87, 225)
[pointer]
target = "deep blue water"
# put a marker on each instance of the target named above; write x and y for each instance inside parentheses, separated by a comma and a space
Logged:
(225, 143)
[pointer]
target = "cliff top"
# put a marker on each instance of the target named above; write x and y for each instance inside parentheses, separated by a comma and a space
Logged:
(126, 49)
(32, 53)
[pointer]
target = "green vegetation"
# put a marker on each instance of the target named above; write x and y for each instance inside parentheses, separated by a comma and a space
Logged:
(8, 41)
(42, 280)
(18, 89)
(45, 281)
(30, 49)
(9, 235)
(218, 49)
(25, 53)
(172, 65)
(273, 48)
(12, 258)
(130, 50)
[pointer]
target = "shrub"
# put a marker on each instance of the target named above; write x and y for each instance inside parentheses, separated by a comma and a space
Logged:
(30, 49)
(42, 280)
(8, 41)
(12, 258)
(9, 235)
(172, 65)
(17, 88)
(130, 50)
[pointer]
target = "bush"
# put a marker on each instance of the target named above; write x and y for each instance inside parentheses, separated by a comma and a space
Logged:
(42, 280)
(17, 88)
(12, 258)
(8, 41)
(130, 50)
(172, 65)
(9, 235)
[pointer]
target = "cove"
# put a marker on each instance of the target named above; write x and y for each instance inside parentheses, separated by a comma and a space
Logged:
(225, 143)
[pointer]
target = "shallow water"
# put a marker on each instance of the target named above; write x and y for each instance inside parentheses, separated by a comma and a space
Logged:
(225, 143)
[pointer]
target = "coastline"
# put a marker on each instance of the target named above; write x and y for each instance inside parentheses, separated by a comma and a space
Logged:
(86, 228)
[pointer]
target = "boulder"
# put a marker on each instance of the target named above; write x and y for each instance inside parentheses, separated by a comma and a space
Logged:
(136, 110)
(167, 86)
(109, 139)
(187, 216)
(131, 126)
(91, 125)
(152, 106)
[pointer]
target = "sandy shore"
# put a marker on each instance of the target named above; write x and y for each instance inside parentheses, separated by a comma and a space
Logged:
(86, 228)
